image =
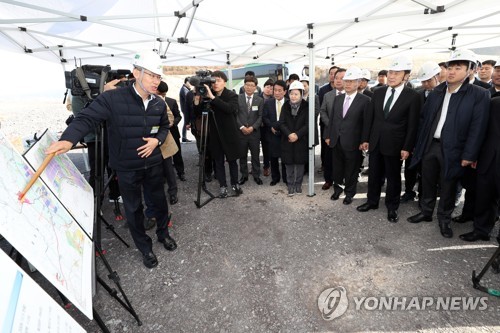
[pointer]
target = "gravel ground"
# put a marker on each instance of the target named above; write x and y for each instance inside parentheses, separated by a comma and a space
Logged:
(259, 262)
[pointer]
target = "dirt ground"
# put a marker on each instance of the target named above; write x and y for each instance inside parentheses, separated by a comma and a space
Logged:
(259, 263)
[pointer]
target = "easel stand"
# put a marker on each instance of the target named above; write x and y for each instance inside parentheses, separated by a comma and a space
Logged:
(494, 263)
(113, 275)
(98, 217)
(203, 154)
(99, 189)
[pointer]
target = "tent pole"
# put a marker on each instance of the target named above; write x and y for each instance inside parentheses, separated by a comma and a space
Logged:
(312, 116)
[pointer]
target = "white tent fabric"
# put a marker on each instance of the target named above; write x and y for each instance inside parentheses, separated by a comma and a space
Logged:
(215, 32)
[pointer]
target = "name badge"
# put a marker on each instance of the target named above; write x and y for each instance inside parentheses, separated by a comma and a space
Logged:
(155, 129)
(255, 108)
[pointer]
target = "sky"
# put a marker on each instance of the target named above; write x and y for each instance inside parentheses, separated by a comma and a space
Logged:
(30, 77)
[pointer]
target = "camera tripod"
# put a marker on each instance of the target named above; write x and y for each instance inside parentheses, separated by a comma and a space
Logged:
(202, 157)
(495, 265)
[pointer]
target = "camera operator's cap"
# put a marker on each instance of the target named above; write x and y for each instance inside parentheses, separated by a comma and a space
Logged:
(463, 55)
(366, 74)
(428, 70)
(304, 78)
(296, 85)
(353, 73)
(149, 60)
(401, 63)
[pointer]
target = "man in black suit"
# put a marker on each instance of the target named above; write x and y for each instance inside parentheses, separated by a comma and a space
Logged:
(474, 80)
(488, 179)
(270, 117)
(486, 71)
(249, 120)
(347, 130)
(325, 113)
(395, 112)
(382, 80)
(428, 74)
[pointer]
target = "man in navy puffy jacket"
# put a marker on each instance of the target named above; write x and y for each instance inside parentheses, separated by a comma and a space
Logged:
(137, 125)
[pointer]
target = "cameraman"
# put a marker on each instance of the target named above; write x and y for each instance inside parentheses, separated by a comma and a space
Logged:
(137, 125)
(222, 129)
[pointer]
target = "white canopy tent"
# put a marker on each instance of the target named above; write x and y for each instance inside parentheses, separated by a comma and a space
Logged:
(221, 32)
(214, 32)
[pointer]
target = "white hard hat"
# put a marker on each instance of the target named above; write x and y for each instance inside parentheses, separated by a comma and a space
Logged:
(353, 73)
(464, 55)
(366, 74)
(428, 70)
(304, 78)
(296, 85)
(148, 60)
(401, 63)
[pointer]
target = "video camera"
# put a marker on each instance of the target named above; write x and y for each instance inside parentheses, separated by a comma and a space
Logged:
(202, 77)
(90, 79)
(119, 74)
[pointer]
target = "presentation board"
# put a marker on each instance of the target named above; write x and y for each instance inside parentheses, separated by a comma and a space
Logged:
(65, 180)
(25, 307)
(43, 231)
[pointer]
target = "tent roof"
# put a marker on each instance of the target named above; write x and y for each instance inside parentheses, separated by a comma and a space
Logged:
(215, 32)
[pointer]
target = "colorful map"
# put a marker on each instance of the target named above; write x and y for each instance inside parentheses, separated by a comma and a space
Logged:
(43, 231)
(66, 181)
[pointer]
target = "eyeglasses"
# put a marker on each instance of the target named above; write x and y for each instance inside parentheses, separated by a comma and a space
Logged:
(153, 76)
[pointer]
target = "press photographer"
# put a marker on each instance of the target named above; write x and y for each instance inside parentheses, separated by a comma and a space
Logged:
(221, 104)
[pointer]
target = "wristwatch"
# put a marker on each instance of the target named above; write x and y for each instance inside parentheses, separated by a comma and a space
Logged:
(159, 142)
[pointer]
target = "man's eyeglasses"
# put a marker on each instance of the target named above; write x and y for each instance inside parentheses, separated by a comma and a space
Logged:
(153, 76)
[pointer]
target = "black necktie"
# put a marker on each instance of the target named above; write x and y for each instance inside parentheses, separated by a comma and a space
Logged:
(387, 106)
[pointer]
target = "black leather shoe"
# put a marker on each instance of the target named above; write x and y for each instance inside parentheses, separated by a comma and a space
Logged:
(173, 199)
(407, 197)
(473, 237)
(168, 243)
(366, 207)
(149, 259)
(462, 219)
(445, 230)
(347, 200)
(420, 217)
(182, 177)
(186, 140)
(257, 180)
(336, 194)
(392, 216)
(273, 183)
(237, 190)
(242, 180)
(149, 223)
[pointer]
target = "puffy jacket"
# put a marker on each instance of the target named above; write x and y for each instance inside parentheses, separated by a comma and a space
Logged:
(463, 131)
(127, 123)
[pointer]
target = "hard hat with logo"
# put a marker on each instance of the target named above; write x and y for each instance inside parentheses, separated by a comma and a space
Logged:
(401, 63)
(353, 73)
(304, 78)
(463, 55)
(366, 74)
(149, 60)
(296, 85)
(428, 70)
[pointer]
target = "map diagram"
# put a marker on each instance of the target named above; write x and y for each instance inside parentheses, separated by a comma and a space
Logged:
(65, 181)
(43, 231)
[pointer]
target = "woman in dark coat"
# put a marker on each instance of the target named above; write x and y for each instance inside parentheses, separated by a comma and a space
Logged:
(294, 122)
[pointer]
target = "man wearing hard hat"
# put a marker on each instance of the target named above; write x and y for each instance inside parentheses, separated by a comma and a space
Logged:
(395, 112)
(455, 118)
(347, 130)
(428, 75)
(137, 125)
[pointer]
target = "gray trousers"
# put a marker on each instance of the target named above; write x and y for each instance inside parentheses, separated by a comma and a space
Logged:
(294, 175)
